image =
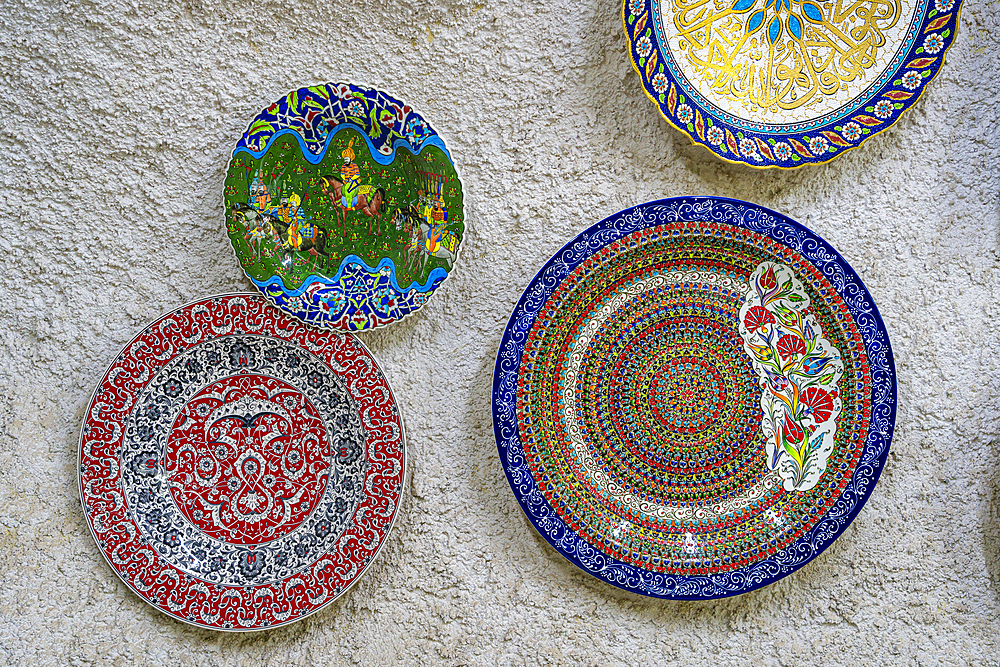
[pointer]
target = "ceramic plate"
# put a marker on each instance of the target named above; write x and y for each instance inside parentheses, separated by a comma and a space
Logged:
(694, 398)
(344, 207)
(239, 470)
(783, 83)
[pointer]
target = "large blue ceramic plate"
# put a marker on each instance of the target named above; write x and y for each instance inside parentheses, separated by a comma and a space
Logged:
(783, 83)
(694, 398)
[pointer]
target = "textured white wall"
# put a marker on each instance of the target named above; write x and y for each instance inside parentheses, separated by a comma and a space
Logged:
(116, 120)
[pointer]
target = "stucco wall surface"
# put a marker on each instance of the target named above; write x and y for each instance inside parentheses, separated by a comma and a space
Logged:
(116, 121)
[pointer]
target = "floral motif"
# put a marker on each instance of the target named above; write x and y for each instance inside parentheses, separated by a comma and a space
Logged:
(356, 108)
(685, 114)
(799, 370)
(173, 387)
(241, 355)
(659, 82)
(933, 43)
(818, 145)
(782, 151)
(851, 131)
(911, 79)
(944, 5)
(251, 564)
(715, 135)
(818, 402)
(883, 109)
(644, 46)
(635, 7)
(791, 345)
(757, 317)
(749, 149)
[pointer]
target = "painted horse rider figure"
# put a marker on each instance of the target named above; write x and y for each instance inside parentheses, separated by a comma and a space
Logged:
(438, 220)
(299, 229)
(350, 174)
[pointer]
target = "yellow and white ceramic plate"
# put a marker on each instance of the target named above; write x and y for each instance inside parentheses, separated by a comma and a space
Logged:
(783, 83)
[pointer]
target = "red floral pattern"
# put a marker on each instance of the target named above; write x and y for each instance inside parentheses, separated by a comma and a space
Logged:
(107, 467)
(757, 318)
(790, 345)
(819, 402)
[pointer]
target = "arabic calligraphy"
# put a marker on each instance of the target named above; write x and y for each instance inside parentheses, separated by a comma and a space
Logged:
(783, 61)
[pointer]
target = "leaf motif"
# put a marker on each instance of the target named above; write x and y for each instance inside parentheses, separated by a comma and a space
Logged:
(321, 91)
(640, 24)
(937, 23)
(764, 148)
(794, 26)
(867, 120)
(812, 12)
(798, 146)
(755, 22)
(743, 5)
(260, 125)
(921, 62)
(834, 138)
(774, 30)
(898, 95)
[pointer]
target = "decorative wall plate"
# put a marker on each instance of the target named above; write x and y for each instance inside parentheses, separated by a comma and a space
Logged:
(783, 83)
(239, 470)
(343, 206)
(694, 398)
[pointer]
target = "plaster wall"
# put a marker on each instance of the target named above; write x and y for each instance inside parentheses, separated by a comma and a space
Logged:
(116, 121)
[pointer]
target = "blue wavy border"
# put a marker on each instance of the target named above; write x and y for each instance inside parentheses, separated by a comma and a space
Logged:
(311, 158)
(781, 229)
(354, 259)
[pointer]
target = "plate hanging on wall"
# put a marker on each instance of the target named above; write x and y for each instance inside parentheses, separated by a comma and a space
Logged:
(694, 398)
(783, 83)
(239, 470)
(343, 206)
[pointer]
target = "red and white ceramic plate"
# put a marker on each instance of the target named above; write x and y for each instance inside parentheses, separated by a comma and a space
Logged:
(239, 470)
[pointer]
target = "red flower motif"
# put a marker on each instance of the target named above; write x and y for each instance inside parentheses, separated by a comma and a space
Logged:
(769, 281)
(793, 432)
(819, 401)
(790, 345)
(757, 318)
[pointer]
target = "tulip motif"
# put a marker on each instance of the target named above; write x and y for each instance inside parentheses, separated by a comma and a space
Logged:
(798, 369)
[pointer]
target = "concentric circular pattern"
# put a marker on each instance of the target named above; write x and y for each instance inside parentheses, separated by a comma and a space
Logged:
(686, 394)
(638, 412)
(238, 470)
